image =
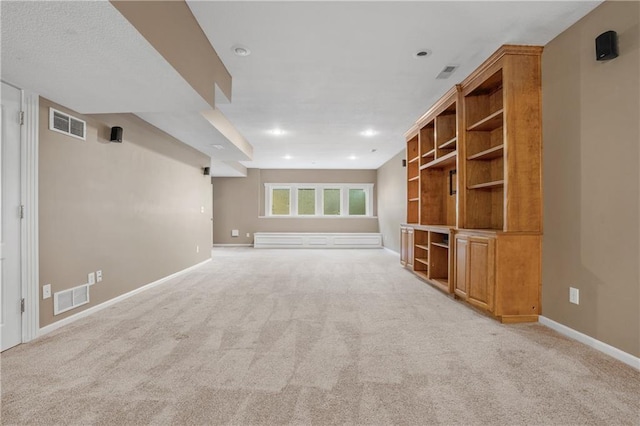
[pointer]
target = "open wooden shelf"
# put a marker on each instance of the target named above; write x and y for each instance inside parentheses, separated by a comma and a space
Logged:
(414, 199)
(489, 123)
(422, 260)
(488, 185)
(421, 274)
(429, 154)
(413, 178)
(414, 159)
(450, 144)
(444, 282)
(423, 247)
(488, 154)
(446, 246)
(446, 160)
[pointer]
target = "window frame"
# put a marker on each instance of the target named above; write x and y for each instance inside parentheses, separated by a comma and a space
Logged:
(319, 194)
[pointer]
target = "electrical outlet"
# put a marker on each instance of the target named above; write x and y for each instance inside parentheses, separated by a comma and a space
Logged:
(98, 276)
(91, 278)
(248, 235)
(201, 209)
(46, 291)
(574, 295)
(235, 233)
(197, 249)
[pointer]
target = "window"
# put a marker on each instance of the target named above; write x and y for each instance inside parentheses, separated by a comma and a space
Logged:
(331, 198)
(281, 204)
(357, 202)
(306, 201)
(319, 200)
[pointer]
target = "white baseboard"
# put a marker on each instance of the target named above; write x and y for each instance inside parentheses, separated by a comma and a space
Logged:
(616, 353)
(56, 325)
(395, 253)
(233, 245)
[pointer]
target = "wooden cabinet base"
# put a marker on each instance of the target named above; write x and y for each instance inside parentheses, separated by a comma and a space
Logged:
(499, 273)
(514, 319)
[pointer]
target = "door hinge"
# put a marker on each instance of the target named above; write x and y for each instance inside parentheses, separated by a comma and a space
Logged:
(22, 211)
(21, 118)
(22, 306)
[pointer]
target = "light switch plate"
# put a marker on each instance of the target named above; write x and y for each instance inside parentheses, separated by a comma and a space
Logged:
(91, 278)
(46, 291)
(574, 295)
(98, 276)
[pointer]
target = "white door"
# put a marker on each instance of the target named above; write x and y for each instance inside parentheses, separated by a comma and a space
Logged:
(10, 297)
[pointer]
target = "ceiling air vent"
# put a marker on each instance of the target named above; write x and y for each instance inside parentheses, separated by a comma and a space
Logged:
(447, 71)
(64, 123)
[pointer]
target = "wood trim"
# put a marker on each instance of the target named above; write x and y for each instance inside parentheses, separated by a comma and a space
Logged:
(412, 132)
(441, 104)
(491, 61)
(516, 319)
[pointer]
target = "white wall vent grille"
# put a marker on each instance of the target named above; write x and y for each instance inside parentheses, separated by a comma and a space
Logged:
(71, 298)
(447, 71)
(64, 123)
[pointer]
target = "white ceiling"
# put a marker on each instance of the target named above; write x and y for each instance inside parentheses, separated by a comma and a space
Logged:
(326, 71)
(321, 71)
(86, 56)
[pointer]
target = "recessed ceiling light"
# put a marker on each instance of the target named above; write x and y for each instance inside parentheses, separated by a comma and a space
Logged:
(277, 132)
(422, 53)
(240, 50)
(287, 157)
(353, 157)
(368, 133)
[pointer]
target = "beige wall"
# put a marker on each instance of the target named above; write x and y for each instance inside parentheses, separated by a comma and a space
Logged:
(238, 203)
(591, 180)
(132, 210)
(392, 200)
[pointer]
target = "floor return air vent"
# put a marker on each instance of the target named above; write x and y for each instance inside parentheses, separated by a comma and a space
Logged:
(72, 298)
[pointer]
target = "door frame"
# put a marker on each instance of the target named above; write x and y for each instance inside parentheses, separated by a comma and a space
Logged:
(29, 252)
(30, 230)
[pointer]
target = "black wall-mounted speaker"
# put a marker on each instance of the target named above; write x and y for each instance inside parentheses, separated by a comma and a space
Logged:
(607, 46)
(404, 163)
(206, 171)
(116, 134)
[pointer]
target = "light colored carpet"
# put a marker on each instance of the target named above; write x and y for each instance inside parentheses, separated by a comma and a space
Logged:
(309, 337)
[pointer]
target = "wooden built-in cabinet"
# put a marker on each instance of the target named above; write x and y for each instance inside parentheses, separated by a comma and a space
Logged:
(474, 185)
(427, 247)
(407, 248)
(475, 270)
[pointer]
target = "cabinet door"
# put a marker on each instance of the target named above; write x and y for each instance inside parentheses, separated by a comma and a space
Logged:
(404, 249)
(481, 282)
(461, 278)
(410, 248)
